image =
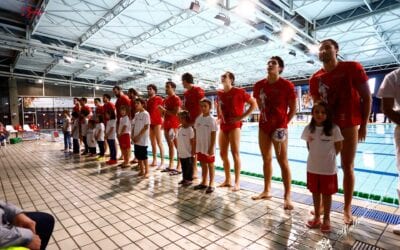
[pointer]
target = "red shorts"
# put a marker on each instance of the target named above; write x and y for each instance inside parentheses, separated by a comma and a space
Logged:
(125, 141)
(230, 126)
(205, 158)
(324, 184)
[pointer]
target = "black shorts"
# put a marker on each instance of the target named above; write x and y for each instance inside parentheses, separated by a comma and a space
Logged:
(140, 152)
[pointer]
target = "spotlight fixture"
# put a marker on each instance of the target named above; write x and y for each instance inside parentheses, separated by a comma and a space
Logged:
(68, 59)
(87, 65)
(224, 18)
(310, 61)
(195, 6)
(40, 80)
(292, 52)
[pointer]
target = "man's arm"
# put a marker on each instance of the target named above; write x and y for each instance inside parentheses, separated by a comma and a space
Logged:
(387, 108)
(365, 94)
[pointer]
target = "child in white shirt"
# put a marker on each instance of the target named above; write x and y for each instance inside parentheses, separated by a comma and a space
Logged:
(90, 138)
(99, 135)
(124, 135)
(140, 136)
(206, 131)
(75, 132)
(324, 142)
(186, 147)
(110, 135)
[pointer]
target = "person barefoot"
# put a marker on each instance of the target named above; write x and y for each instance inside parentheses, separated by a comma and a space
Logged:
(343, 86)
(155, 124)
(276, 100)
(230, 108)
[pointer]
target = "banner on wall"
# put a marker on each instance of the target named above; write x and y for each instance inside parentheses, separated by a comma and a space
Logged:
(54, 102)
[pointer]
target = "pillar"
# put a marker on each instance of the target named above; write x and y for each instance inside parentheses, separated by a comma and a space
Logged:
(13, 94)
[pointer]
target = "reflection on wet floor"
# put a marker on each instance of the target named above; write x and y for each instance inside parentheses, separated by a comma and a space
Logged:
(101, 207)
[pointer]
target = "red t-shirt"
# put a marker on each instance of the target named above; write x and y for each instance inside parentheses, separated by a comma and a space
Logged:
(339, 89)
(154, 112)
(77, 108)
(232, 105)
(108, 106)
(123, 100)
(100, 110)
(274, 103)
(171, 103)
(191, 102)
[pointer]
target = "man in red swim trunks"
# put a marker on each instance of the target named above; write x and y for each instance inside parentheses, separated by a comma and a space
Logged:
(343, 85)
(156, 121)
(172, 103)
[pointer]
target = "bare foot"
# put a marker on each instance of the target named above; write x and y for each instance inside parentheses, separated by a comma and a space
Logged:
(236, 188)
(348, 218)
(140, 174)
(153, 164)
(225, 184)
(146, 176)
(262, 196)
(321, 211)
(287, 205)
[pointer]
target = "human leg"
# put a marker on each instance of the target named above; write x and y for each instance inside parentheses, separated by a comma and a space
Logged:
(326, 224)
(347, 156)
(44, 226)
(396, 228)
(234, 141)
(159, 142)
(265, 143)
(153, 143)
(223, 140)
(171, 149)
(282, 159)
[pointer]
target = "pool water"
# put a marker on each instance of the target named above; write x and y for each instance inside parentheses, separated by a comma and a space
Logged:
(375, 163)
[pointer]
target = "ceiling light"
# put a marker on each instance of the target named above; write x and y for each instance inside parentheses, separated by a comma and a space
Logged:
(287, 34)
(195, 6)
(224, 18)
(245, 9)
(97, 87)
(313, 48)
(111, 66)
(40, 80)
(68, 59)
(292, 52)
(87, 65)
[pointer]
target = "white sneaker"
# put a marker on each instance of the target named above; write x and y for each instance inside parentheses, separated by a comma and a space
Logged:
(396, 229)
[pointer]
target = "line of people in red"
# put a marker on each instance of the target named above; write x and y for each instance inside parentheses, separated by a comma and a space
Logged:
(341, 86)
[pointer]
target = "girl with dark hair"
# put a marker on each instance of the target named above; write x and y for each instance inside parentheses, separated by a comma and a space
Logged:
(110, 135)
(324, 142)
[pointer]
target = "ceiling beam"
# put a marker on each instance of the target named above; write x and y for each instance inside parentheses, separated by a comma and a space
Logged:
(252, 43)
(359, 12)
(174, 20)
(390, 48)
(190, 42)
(51, 66)
(40, 12)
(117, 10)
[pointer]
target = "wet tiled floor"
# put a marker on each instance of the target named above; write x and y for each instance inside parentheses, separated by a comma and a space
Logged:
(94, 212)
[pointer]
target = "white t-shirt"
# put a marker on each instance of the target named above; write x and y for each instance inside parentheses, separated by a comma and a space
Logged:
(138, 122)
(322, 153)
(124, 121)
(390, 88)
(111, 124)
(184, 145)
(204, 125)
(100, 128)
(75, 135)
(67, 124)
(84, 126)
(91, 141)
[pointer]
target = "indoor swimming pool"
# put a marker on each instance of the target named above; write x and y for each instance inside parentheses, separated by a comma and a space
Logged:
(375, 166)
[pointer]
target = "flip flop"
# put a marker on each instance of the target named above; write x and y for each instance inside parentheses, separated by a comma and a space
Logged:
(174, 172)
(326, 228)
(167, 170)
(313, 223)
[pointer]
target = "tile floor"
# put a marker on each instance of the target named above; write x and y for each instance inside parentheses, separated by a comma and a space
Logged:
(94, 212)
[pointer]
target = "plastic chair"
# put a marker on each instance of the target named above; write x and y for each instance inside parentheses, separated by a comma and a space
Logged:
(10, 129)
(27, 128)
